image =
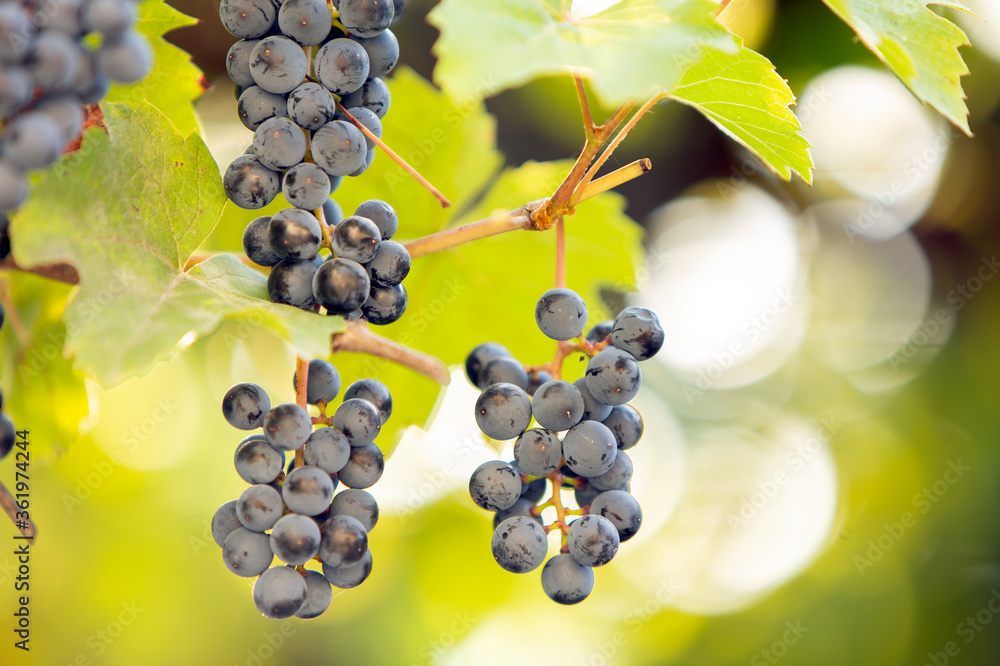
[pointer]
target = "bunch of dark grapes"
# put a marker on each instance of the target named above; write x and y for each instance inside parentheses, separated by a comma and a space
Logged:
(306, 78)
(598, 426)
(56, 57)
(8, 433)
(294, 514)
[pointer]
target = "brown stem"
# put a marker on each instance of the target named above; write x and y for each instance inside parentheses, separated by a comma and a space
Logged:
(357, 337)
(588, 119)
(11, 509)
(326, 228)
(496, 224)
(560, 252)
(301, 389)
(560, 202)
(396, 158)
(722, 7)
(596, 166)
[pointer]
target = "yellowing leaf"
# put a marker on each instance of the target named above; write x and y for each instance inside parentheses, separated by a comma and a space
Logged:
(919, 46)
(741, 93)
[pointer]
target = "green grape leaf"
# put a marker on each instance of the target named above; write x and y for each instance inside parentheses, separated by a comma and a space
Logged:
(486, 47)
(43, 393)
(130, 212)
(919, 46)
(745, 98)
(174, 82)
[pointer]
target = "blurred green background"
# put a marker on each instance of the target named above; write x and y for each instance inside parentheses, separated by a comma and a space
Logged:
(823, 493)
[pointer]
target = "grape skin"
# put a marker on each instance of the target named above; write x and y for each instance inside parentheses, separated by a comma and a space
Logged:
(306, 186)
(349, 577)
(328, 449)
(256, 461)
(308, 490)
(592, 540)
(259, 508)
(238, 62)
(256, 244)
(566, 581)
(248, 19)
(295, 234)
(495, 485)
(311, 106)
(503, 411)
(626, 424)
(356, 238)
(339, 148)
(344, 541)
(613, 376)
(373, 95)
(13, 186)
(287, 427)
(382, 50)
(538, 452)
(519, 544)
(638, 332)
(479, 357)
(278, 65)
(522, 507)
(247, 553)
(249, 184)
(279, 144)
(390, 265)
(342, 66)
(372, 123)
(256, 105)
(322, 383)
(359, 504)
(291, 282)
(341, 285)
(359, 420)
(590, 448)
(503, 370)
(364, 468)
(382, 214)
(385, 305)
(557, 405)
(374, 392)
(295, 539)
(366, 18)
(616, 478)
(245, 405)
(319, 594)
(621, 509)
(593, 409)
(279, 593)
(305, 21)
(224, 521)
(561, 314)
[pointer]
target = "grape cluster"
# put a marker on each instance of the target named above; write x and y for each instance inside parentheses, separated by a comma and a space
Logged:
(8, 433)
(307, 78)
(598, 425)
(294, 514)
(49, 70)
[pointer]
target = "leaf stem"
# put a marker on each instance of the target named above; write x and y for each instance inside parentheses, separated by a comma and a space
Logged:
(11, 509)
(588, 119)
(396, 158)
(358, 338)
